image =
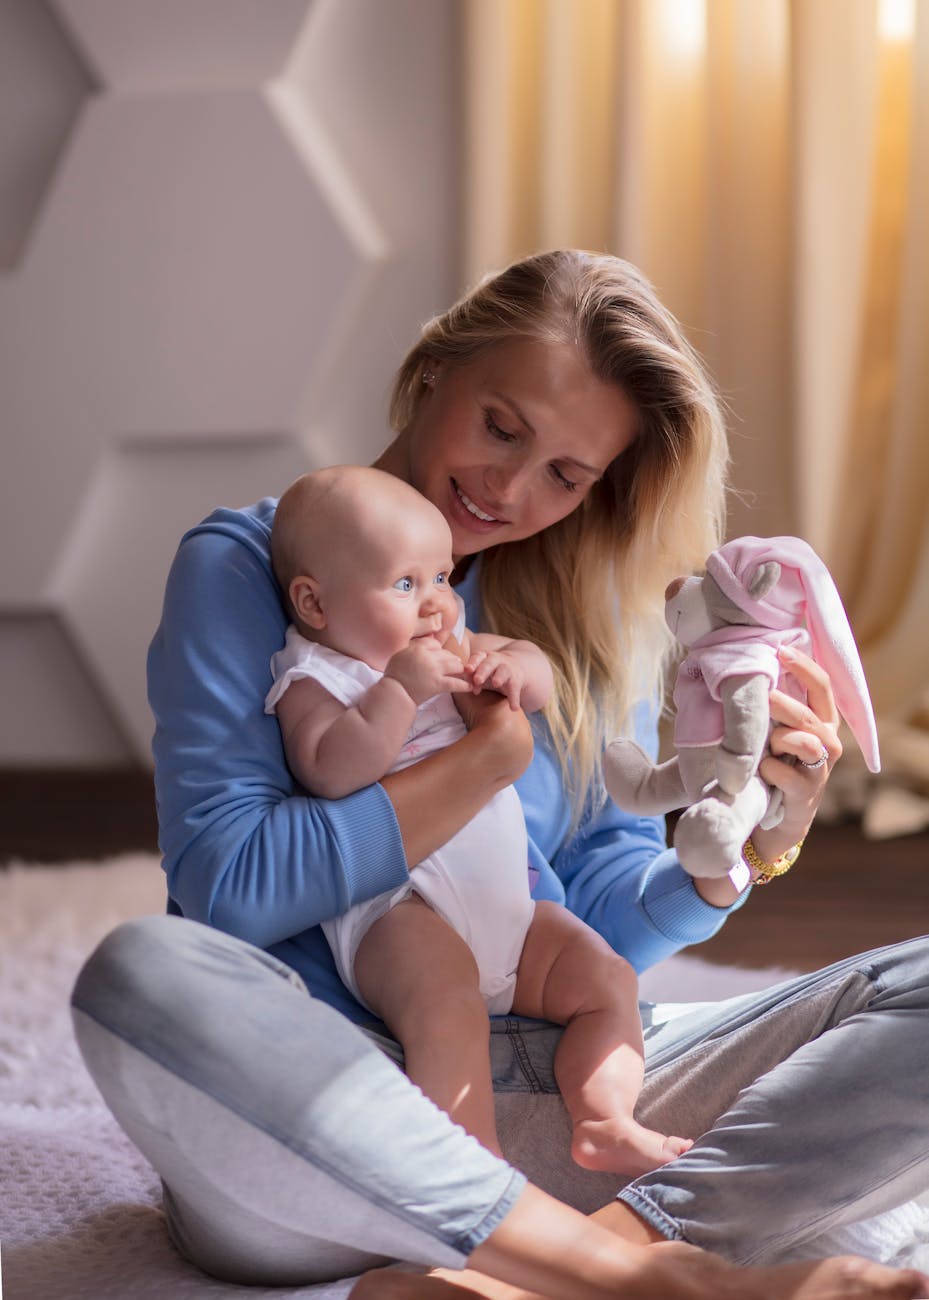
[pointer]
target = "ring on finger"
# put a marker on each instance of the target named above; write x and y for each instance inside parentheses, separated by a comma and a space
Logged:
(820, 762)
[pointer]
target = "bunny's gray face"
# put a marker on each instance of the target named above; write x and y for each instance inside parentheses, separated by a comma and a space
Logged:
(686, 611)
(696, 606)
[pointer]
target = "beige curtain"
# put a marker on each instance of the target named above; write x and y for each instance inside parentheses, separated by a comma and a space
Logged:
(766, 162)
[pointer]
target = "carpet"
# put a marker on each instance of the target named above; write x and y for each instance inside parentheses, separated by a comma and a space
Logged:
(79, 1206)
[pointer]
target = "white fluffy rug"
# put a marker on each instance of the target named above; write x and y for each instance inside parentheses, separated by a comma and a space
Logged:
(79, 1207)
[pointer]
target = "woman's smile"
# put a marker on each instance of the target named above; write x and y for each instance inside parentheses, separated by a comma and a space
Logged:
(478, 516)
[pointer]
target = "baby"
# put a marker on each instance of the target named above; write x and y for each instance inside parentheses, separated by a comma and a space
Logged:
(364, 685)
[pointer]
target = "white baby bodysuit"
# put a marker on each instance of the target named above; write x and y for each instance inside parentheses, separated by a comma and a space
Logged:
(478, 881)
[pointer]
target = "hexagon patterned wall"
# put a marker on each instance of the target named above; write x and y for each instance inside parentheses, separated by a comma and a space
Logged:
(222, 222)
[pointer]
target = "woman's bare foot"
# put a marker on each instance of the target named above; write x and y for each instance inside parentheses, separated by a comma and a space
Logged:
(706, 1276)
(621, 1146)
(675, 1272)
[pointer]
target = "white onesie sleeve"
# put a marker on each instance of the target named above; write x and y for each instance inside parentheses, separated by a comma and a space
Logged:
(347, 679)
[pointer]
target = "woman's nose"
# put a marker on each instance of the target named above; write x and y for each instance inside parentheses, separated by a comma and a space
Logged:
(505, 482)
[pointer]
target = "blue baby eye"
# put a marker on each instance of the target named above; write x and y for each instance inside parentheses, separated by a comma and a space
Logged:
(441, 579)
(404, 584)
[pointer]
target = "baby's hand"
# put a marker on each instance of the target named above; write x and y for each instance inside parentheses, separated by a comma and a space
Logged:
(495, 670)
(424, 668)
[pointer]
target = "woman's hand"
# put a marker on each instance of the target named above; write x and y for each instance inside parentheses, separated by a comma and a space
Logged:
(807, 733)
(504, 733)
(804, 732)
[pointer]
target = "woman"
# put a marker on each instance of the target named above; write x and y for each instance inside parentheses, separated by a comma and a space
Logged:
(569, 435)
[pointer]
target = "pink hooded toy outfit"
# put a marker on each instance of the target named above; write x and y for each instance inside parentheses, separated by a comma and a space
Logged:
(802, 610)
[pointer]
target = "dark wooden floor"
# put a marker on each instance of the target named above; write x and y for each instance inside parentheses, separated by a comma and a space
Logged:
(60, 816)
(845, 895)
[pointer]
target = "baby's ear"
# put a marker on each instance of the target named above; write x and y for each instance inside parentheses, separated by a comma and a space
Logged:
(305, 597)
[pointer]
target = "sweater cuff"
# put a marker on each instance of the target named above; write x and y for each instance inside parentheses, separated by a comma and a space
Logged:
(366, 830)
(674, 907)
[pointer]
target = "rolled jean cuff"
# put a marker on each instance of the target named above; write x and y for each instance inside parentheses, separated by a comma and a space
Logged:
(479, 1233)
(652, 1213)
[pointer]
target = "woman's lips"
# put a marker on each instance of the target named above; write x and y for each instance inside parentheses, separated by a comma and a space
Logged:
(470, 513)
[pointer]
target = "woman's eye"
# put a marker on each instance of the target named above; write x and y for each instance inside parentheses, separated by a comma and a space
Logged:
(568, 484)
(494, 429)
(404, 584)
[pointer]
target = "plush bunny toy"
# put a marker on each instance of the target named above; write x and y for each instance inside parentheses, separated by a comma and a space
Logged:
(758, 594)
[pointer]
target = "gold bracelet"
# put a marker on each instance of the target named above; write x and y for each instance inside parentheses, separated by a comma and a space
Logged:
(768, 871)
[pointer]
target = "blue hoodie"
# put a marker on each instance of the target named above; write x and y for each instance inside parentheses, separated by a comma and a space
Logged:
(246, 851)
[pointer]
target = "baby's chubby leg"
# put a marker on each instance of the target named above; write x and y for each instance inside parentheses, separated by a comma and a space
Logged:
(420, 977)
(570, 975)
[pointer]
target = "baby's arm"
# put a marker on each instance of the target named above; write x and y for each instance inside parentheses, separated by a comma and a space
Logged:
(517, 669)
(334, 749)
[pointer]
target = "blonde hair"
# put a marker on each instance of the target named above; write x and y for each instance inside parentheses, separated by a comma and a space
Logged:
(589, 589)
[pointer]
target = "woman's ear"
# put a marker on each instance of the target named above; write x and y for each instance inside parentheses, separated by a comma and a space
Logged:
(305, 597)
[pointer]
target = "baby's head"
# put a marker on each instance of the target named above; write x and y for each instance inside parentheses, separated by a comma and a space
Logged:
(363, 562)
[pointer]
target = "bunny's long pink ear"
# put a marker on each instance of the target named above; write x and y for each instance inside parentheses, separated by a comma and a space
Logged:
(835, 649)
(805, 588)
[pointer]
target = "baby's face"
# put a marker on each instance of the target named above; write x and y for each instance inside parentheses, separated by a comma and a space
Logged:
(392, 588)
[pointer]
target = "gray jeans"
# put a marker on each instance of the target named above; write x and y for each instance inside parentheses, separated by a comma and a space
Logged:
(293, 1150)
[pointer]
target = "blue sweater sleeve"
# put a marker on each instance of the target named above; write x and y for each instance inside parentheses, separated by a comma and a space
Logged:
(244, 848)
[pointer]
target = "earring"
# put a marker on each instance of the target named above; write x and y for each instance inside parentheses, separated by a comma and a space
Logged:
(428, 378)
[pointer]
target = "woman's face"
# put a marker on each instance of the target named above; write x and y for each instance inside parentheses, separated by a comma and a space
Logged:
(513, 442)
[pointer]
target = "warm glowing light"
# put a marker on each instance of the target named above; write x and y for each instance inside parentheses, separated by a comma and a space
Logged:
(684, 27)
(896, 20)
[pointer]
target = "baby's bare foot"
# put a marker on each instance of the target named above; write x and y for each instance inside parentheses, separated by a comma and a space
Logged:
(621, 1146)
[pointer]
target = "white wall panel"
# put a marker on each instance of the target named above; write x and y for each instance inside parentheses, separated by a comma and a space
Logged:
(144, 496)
(247, 222)
(44, 681)
(42, 85)
(172, 44)
(408, 49)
